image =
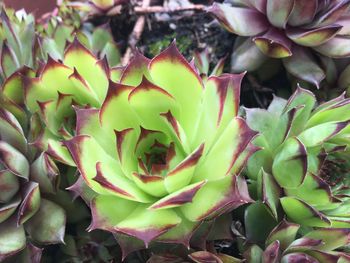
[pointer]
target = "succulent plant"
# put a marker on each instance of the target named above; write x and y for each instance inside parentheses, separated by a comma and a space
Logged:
(296, 166)
(17, 38)
(98, 40)
(202, 62)
(54, 103)
(286, 244)
(27, 216)
(156, 152)
(288, 29)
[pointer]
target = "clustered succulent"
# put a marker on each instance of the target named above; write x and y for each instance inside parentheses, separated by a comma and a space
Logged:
(155, 161)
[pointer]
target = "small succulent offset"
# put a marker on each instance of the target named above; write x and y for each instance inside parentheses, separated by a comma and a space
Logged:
(27, 217)
(17, 38)
(286, 244)
(164, 152)
(287, 29)
(300, 144)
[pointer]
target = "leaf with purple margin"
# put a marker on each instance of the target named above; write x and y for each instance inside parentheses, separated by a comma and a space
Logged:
(284, 232)
(302, 213)
(274, 43)
(235, 19)
(290, 163)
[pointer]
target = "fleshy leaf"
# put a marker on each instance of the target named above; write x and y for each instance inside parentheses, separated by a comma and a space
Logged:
(303, 66)
(9, 185)
(274, 44)
(284, 232)
(226, 194)
(30, 203)
(108, 211)
(278, 12)
(147, 225)
(13, 160)
(302, 213)
(178, 198)
(313, 37)
(235, 19)
(12, 238)
(229, 145)
(291, 157)
(173, 73)
(48, 225)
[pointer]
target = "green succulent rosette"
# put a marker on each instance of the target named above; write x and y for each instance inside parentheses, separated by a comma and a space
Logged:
(301, 33)
(294, 169)
(80, 80)
(28, 217)
(17, 40)
(164, 152)
(287, 243)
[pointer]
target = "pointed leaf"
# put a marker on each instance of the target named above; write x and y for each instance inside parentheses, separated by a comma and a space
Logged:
(147, 225)
(107, 211)
(13, 160)
(48, 225)
(274, 44)
(235, 19)
(302, 213)
(173, 73)
(291, 157)
(225, 194)
(284, 232)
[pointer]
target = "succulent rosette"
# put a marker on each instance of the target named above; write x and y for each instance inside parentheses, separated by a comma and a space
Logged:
(27, 217)
(164, 152)
(302, 144)
(287, 243)
(57, 89)
(288, 29)
(17, 38)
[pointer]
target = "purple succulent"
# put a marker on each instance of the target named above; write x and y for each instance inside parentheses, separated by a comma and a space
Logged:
(287, 29)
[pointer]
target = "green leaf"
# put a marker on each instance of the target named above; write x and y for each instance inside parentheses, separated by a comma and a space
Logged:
(258, 222)
(48, 225)
(314, 191)
(80, 58)
(290, 164)
(232, 142)
(12, 238)
(269, 191)
(147, 225)
(284, 232)
(332, 238)
(13, 160)
(219, 106)
(173, 73)
(225, 194)
(302, 213)
(108, 211)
